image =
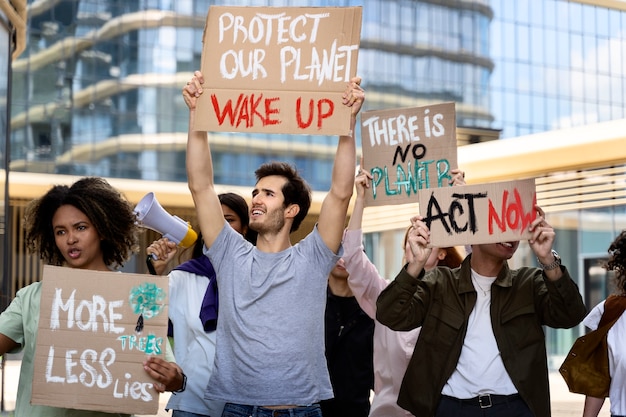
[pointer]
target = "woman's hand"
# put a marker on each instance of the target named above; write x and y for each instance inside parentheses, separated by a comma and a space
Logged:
(168, 375)
(417, 250)
(162, 252)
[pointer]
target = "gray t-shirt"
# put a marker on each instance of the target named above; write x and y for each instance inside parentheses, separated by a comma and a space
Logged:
(270, 331)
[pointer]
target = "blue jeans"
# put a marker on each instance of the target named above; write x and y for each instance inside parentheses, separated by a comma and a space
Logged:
(180, 413)
(239, 410)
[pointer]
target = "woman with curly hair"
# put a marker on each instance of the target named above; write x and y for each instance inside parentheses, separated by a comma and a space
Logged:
(100, 211)
(88, 225)
(616, 337)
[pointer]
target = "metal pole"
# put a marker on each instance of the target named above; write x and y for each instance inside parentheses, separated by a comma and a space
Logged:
(5, 288)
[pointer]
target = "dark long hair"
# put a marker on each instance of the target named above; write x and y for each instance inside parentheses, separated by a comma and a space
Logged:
(237, 204)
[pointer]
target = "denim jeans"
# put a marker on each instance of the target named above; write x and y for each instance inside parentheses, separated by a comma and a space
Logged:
(180, 413)
(239, 410)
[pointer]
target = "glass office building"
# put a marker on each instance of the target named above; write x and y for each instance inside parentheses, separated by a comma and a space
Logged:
(97, 92)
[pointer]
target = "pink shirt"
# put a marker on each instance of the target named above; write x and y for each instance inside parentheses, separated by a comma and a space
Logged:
(392, 350)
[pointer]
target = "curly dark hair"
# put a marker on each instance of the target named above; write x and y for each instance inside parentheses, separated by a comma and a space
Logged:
(108, 210)
(295, 190)
(617, 261)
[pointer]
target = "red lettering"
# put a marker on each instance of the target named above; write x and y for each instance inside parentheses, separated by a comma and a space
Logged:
(323, 115)
(247, 110)
(254, 104)
(493, 217)
(244, 115)
(325, 109)
(511, 215)
(228, 109)
(269, 111)
(301, 124)
(531, 215)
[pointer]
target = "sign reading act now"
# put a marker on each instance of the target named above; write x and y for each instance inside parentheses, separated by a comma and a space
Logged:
(482, 213)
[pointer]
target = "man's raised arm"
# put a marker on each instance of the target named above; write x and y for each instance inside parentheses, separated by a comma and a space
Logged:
(333, 212)
(200, 168)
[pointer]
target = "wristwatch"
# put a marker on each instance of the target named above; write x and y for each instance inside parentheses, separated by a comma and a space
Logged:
(182, 388)
(555, 264)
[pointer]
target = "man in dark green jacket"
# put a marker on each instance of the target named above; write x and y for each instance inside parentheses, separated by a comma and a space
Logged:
(481, 350)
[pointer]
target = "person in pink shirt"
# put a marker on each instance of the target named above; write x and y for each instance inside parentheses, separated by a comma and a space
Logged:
(392, 349)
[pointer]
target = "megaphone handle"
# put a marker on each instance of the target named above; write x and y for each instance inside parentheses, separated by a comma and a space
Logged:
(149, 264)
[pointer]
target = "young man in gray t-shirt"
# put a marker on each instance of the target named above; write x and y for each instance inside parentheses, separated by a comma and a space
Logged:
(270, 351)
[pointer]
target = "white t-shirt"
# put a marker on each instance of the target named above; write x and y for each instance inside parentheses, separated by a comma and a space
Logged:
(194, 348)
(480, 369)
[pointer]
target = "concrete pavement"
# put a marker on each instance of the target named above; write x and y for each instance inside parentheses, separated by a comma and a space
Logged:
(564, 403)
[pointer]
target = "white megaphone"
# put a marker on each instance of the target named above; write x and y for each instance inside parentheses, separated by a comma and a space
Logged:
(151, 215)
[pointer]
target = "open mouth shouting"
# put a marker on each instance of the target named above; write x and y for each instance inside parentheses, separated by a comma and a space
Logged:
(73, 253)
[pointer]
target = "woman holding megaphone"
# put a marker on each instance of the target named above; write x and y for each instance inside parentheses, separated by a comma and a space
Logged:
(193, 310)
(88, 225)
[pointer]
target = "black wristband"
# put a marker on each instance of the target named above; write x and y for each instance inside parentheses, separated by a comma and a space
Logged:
(184, 384)
(150, 266)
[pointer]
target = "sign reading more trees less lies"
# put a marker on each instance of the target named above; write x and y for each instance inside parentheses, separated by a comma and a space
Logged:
(95, 330)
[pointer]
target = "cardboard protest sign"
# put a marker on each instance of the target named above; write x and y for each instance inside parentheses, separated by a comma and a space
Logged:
(278, 69)
(90, 347)
(407, 150)
(483, 213)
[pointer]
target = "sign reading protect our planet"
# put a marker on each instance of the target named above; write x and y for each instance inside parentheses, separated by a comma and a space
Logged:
(95, 330)
(278, 69)
(407, 150)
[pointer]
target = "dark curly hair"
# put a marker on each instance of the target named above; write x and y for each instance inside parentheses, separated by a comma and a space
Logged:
(107, 209)
(295, 190)
(617, 261)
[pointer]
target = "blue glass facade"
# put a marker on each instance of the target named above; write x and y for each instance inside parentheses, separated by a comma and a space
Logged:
(98, 90)
(558, 64)
(423, 51)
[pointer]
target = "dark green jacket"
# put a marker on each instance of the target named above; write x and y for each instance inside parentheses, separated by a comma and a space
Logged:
(522, 301)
